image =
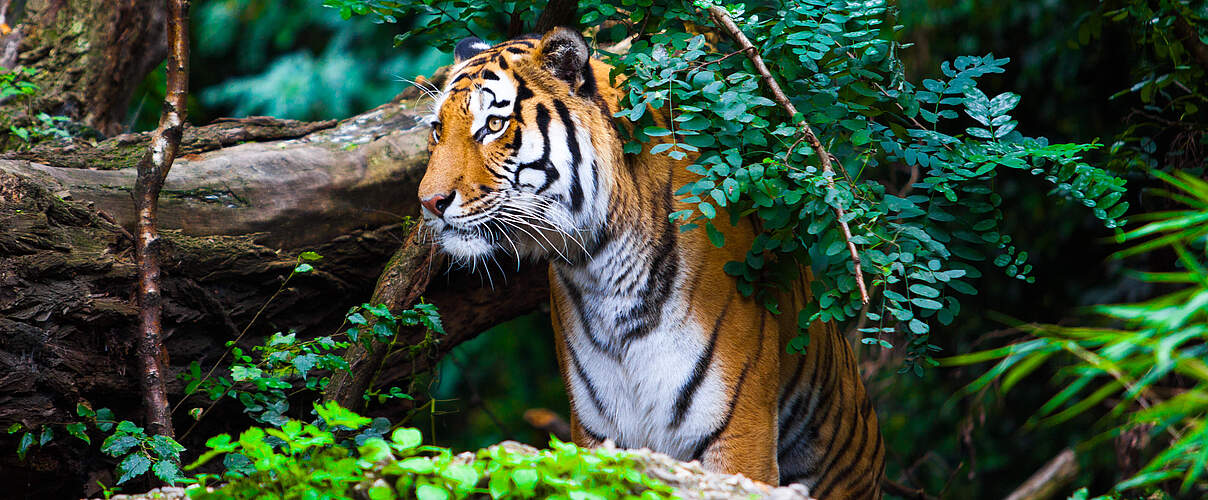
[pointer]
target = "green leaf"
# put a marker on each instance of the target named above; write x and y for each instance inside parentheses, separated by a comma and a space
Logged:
(79, 430)
(526, 481)
(167, 471)
(430, 492)
(134, 465)
(27, 440)
(1003, 102)
(406, 438)
(304, 363)
(715, 236)
(118, 444)
(464, 475)
(656, 131)
(310, 256)
(104, 419)
(47, 435)
(242, 373)
(166, 447)
(924, 290)
(926, 303)
(303, 268)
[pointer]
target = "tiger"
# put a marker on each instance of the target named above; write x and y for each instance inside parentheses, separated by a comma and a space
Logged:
(656, 346)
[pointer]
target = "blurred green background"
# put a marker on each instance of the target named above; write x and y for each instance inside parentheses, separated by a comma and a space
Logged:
(296, 59)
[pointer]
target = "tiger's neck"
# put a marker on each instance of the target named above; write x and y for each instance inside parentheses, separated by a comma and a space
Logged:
(630, 269)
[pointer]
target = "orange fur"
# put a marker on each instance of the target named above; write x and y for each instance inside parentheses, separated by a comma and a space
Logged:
(843, 456)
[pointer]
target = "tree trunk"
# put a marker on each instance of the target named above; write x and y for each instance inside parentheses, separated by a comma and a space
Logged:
(90, 55)
(234, 217)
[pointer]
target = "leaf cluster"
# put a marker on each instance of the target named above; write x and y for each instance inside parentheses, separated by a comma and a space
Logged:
(308, 460)
(15, 85)
(922, 240)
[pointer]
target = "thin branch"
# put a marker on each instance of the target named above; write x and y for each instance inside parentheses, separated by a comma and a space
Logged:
(152, 170)
(1050, 479)
(894, 488)
(723, 20)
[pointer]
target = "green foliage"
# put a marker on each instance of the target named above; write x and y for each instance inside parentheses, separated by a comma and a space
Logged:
(441, 22)
(15, 86)
(262, 379)
(1171, 128)
(839, 62)
(921, 242)
(1147, 348)
(137, 452)
(289, 59)
(307, 460)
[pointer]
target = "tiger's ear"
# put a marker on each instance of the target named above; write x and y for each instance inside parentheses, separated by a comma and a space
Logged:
(564, 53)
(467, 48)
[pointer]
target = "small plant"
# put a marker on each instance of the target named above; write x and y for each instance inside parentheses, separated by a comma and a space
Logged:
(262, 379)
(15, 85)
(137, 451)
(307, 460)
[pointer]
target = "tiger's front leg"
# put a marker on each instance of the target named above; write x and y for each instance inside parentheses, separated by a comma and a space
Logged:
(746, 444)
(747, 447)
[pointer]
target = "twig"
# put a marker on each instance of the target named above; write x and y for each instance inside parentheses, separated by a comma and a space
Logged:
(152, 170)
(893, 488)
(723, 20)
(1049, 480)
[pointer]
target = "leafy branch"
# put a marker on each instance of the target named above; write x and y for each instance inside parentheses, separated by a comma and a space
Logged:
(723, 20)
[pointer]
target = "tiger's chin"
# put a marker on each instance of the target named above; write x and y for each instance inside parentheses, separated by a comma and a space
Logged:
(465, 246)
(472, 247)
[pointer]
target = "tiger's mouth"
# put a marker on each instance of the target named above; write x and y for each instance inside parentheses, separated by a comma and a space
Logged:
(507, 230)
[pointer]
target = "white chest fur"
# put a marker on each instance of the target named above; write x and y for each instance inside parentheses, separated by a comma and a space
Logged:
(636, 367)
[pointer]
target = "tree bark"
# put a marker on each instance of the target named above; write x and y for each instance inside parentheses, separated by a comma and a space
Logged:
(233, 218)
(466, 305)
(152, 169)
(90, 55)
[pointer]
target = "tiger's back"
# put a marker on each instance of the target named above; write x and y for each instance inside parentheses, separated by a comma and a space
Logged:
(655, 344)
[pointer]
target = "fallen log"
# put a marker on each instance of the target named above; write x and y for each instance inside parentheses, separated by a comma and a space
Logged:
(234, 215)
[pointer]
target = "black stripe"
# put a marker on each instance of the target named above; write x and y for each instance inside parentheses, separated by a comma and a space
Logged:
(684, 401)
(602, 238)
(515, 50)
(503, 62)
(793, 416)
(543, 163)
(590, 433)
(591, 388)
(488, 75)
(793, 382)
(522, 90)
(813, 393)
(833, 477)
(576, 299)
(826, 458)
(704, 443)
(572, 142)
(659, 279)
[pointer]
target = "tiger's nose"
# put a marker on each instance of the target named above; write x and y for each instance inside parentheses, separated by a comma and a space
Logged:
(437, 203)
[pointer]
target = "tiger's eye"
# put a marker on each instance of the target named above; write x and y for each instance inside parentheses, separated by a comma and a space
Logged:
(495, 124)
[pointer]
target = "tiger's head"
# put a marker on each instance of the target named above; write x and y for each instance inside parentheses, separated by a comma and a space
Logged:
(522, 149)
